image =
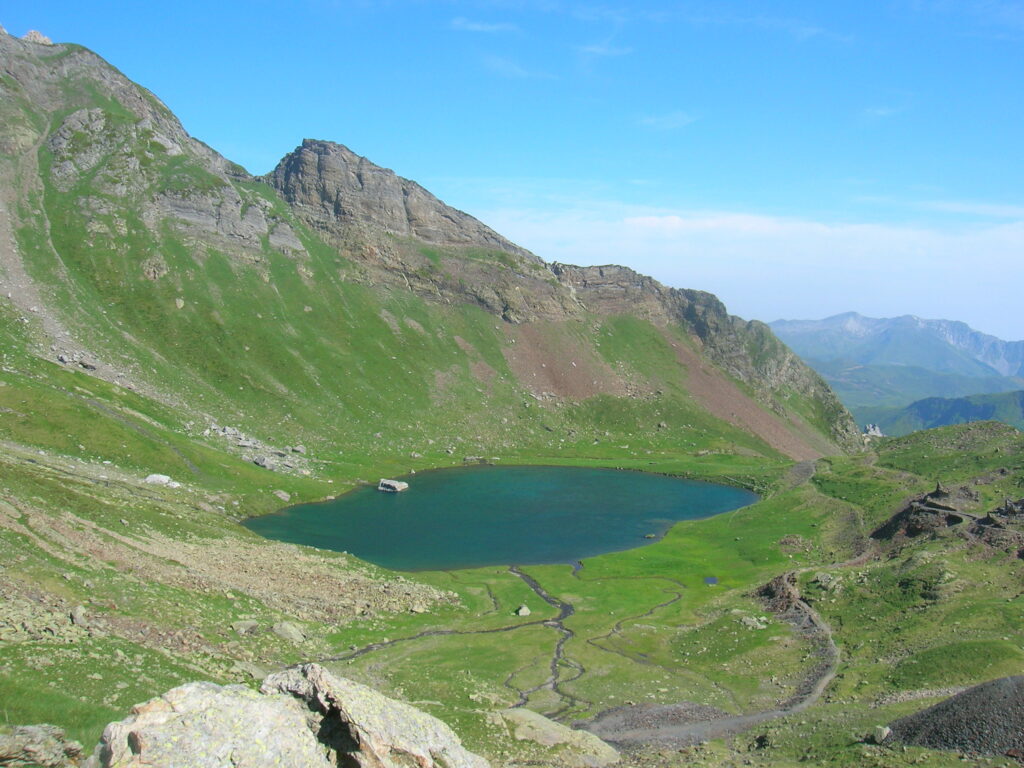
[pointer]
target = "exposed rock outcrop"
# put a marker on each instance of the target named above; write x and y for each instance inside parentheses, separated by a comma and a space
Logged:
(42, 746)
(35, 36)
(379, 732)
(202, 725)
(333, 188)
(581, 749)
(942, 510)
(1002, 528)
(928, 514)
(303, 717)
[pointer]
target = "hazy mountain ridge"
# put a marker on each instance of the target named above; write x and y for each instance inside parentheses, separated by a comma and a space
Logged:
(1007, 407)
(905, 340)
(880, 365)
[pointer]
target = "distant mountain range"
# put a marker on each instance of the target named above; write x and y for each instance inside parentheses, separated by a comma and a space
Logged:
(879, 366)
(944, 346)
(1007, 407)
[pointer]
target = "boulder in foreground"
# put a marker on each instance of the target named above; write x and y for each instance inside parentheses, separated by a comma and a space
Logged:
(303, 717)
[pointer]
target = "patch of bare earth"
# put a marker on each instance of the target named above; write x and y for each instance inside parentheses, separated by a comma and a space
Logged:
(722, 398)
(547, 358)
(481, 371)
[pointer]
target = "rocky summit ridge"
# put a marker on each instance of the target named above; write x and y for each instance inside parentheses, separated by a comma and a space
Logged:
(333, 189)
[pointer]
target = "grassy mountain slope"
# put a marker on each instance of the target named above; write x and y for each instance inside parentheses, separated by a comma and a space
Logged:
(932, 412)
(180, 291)
(168, 269)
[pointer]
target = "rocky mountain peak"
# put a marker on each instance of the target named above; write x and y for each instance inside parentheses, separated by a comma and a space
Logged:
(35, 36)
(332, 187)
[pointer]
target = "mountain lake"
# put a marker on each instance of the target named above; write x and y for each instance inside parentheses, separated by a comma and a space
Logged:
(468, 517)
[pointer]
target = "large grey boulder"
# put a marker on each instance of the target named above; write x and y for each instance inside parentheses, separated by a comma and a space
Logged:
(383, 732)
(301, 718)
(580, 749)
(202, 725)
(288, 631)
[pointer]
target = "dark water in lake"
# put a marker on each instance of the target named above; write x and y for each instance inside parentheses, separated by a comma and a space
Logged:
(475, 516)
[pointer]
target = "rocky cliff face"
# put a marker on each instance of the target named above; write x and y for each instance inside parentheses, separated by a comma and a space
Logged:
(747, 351)
(334, 189)
(362, 207)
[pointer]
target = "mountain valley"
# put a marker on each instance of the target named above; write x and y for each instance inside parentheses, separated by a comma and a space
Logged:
(882, 367)
(184, 345)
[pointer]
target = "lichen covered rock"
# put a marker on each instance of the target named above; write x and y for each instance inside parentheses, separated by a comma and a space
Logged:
(303, 718)
(202, 725)
(379, 731)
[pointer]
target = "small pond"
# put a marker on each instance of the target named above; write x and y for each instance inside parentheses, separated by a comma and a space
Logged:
(476, 516)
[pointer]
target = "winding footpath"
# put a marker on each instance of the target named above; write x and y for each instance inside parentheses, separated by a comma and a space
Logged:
(662, 727)
(665, 727)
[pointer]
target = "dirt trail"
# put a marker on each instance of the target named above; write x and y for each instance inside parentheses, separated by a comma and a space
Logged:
(665, 729)
(686, 723)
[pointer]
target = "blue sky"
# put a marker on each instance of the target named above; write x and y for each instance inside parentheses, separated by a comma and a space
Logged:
(798, 159)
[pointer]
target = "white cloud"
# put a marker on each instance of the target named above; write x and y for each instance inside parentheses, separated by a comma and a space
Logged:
(603, 49)
(465, 25)
(767, 267)
(667, 122)
(971, 208)
(987, 210)
(510, 68)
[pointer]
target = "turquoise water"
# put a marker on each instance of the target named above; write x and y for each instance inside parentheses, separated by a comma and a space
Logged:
(476, 516)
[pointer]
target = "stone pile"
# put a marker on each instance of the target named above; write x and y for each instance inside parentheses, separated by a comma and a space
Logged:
(987, 719)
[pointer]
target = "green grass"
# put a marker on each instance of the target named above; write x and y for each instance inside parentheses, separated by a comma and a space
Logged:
(959, 663)
(304, 348)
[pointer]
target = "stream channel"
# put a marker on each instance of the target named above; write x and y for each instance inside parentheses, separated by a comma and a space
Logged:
(514, 516)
